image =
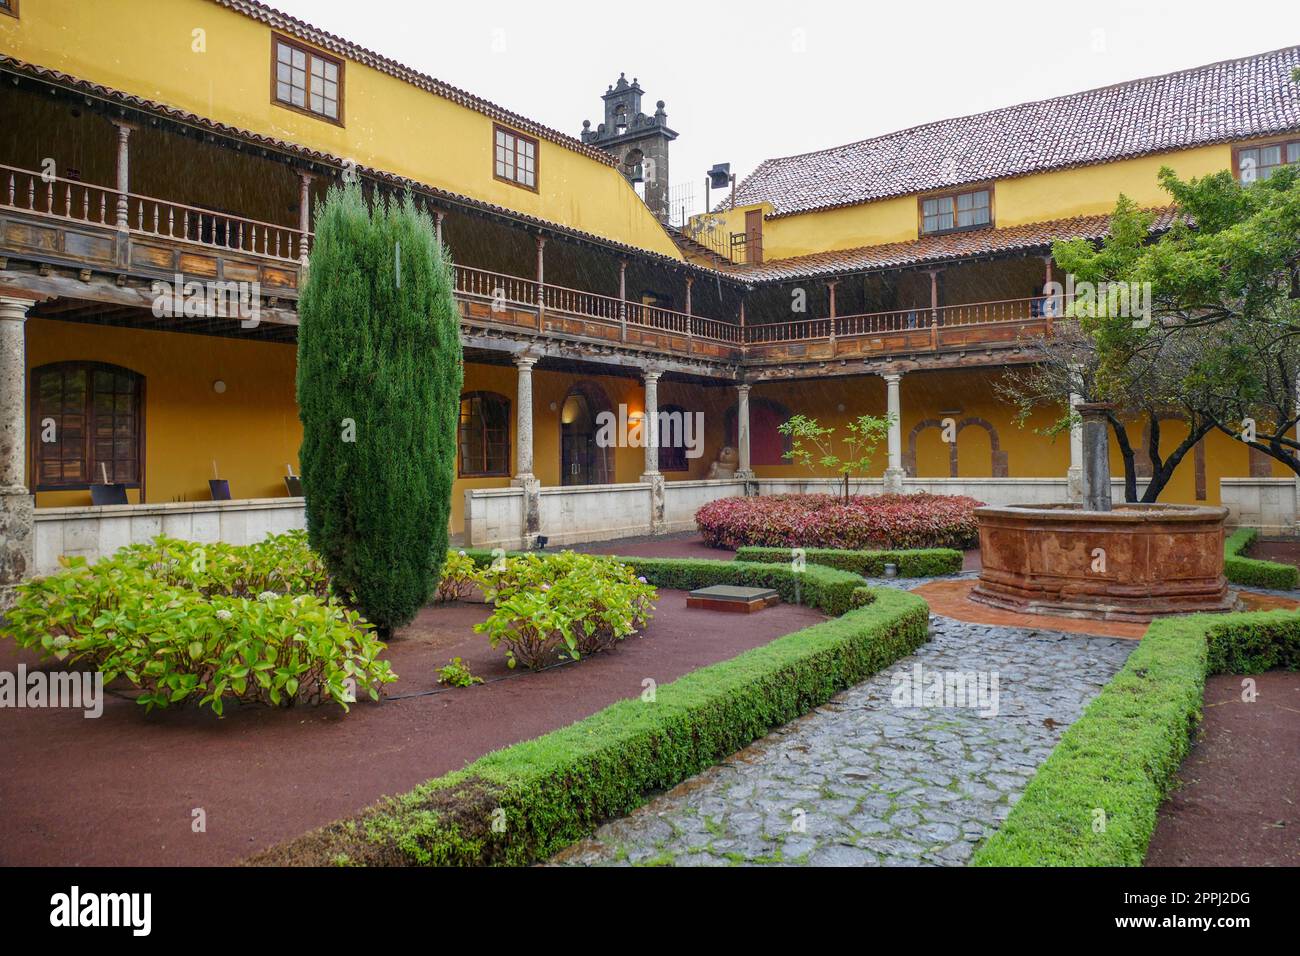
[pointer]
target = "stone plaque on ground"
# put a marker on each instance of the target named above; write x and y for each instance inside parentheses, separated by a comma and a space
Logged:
(728, 597)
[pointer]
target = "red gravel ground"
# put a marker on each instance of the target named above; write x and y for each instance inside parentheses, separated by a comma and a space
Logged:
(1237, 797)
(1284, 552)
(120, 790)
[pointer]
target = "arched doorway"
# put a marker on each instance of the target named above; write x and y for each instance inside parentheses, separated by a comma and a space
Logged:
(582, 462)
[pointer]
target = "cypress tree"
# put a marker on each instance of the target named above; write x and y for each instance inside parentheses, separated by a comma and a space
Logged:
(379, 379)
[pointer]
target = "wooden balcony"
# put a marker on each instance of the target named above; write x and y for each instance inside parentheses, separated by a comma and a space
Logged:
(88, 229)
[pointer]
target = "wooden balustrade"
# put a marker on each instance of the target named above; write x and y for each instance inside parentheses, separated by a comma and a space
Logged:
(32, 192)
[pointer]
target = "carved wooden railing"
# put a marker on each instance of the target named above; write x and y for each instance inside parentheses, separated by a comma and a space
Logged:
(74, 201)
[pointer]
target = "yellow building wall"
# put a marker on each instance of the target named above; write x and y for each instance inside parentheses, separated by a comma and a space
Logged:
(251, 429)
(1083, 191)
(147, 47)
(971, 394)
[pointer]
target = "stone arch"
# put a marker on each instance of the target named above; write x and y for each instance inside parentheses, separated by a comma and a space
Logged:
(998, 464)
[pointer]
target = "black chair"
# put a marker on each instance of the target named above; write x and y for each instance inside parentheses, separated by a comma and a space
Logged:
(108, 494)
(293, 483)
(220, 489)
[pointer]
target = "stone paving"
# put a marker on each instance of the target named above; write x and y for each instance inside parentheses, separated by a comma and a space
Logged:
(868, 781)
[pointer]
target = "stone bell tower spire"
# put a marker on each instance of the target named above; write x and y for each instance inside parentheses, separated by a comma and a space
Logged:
(639, 142)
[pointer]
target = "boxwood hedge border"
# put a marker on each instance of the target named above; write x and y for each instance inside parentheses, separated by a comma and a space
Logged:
(1094, 801)
(547, 793)
(914, 563)
(1252, 572)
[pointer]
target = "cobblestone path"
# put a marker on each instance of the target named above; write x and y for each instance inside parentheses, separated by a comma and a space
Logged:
(871, 778)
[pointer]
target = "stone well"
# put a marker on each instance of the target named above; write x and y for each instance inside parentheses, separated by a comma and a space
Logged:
(1132, 563)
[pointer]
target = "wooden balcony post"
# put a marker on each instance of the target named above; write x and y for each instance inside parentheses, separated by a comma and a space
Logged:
(541, 284)
(742, 323)
(934, 308)
(437, 226)
(123, 170)
(690, 322)
(830, 287)
(1047, 284)
(304, 214)
(622, 298)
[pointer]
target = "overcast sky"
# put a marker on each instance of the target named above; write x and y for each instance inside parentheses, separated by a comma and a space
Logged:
(748, 79)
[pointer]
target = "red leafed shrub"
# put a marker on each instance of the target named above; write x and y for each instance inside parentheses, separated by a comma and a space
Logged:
(824, 521)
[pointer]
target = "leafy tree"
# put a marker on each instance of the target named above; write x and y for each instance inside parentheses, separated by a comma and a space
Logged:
(1224, 331)
(379, 379)
(813, 446)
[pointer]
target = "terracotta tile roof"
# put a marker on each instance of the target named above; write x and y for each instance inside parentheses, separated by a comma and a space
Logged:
(352, 51)
(184, 117)
(1220, 102)
(938, 249)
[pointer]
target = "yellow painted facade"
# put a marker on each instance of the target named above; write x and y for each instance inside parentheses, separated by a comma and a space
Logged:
(1062, 194)
(150, 48)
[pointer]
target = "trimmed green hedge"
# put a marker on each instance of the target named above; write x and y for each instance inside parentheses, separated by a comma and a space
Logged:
(1120, 757)
(918, 563)
(1252, 572)
(554, 790)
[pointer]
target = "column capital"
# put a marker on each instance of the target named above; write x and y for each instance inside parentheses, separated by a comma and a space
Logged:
(892, 378)
(525, 361)
(541, 240)
(14, 310)
(743, 387)
(651, 374)
(124, 127)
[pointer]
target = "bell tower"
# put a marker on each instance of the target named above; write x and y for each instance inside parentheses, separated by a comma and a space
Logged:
(639, 142)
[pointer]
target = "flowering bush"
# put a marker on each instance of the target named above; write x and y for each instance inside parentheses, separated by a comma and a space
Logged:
(823, 521)
(186, 621)
(562, 605)
(459, 575)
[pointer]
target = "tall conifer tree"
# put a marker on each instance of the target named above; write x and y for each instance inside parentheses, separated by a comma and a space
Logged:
(379, 379)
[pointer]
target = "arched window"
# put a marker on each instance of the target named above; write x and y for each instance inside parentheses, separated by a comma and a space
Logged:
(672, 438)
(87, 425)
(484, 435)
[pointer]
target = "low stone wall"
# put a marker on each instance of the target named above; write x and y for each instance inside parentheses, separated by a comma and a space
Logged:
(93, 533)
(494, 517)
(1268, 504)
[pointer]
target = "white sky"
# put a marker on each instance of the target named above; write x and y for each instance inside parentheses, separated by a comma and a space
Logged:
(739, 90)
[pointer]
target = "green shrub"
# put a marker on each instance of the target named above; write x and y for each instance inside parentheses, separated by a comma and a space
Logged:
(456, 673)
(567, 604)
(1094, 801)
(920, 563)
(180, 621)
(458, 577)
(378, 388)
(1252, 572)
(553, 790)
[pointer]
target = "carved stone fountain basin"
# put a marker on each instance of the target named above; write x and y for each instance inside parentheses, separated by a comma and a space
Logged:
(1132, 563)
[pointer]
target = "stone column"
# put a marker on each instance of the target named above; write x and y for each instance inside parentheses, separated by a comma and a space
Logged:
(1074, 477)
(524, 477)
(1096, 455)
(123, 173)
(650, 427)
(437, 226)
(894, 473)
(650, 433)
(742, 432)
(17, 508)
